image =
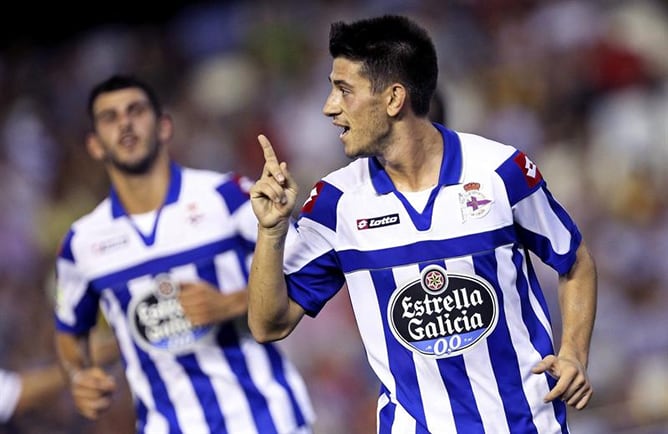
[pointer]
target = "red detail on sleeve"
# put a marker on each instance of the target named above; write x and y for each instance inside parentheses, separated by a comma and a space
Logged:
(529, 169)
(310, 202)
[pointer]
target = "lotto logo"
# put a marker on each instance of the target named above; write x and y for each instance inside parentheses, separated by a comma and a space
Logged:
(377, 222)
(529, 169)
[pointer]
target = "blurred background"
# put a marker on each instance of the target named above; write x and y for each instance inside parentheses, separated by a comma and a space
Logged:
(580, 85)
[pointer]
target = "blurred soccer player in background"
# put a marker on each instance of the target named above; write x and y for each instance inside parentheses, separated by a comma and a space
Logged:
(166, 258)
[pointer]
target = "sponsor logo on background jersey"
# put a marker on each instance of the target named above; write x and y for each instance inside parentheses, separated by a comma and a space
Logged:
(443, 314)
(473, 203)
(313, 196)
(377, 222)
(109, 244)
(531, 173)
(158, 322)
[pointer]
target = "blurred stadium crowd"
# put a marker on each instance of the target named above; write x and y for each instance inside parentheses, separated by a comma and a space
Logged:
(580, 85)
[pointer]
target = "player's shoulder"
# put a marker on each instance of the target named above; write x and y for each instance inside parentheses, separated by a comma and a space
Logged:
(477, 149)
(350, 177)
(204, 177)
(98, 216)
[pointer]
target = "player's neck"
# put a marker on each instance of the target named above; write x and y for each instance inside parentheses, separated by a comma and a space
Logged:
(413, 161)
(143, 193)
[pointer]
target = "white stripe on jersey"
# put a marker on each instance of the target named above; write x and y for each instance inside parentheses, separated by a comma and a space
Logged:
(370, 325)
(550, 227)
(535, 387)
(10, 391)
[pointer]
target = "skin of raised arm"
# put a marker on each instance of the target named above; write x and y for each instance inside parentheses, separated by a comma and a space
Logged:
(577, 300)
(272, 315)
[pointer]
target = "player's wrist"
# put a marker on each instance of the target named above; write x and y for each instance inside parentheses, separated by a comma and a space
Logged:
(277, 231)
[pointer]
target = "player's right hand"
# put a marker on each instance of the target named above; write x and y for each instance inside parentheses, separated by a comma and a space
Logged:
(274, 195)
(92, 389)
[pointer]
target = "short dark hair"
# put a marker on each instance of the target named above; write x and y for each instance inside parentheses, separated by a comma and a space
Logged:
(391, 48)
(117, 82)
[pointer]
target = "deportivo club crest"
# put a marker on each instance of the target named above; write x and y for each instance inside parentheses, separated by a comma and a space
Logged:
(473, 203)
(158, 322)
(443, 313)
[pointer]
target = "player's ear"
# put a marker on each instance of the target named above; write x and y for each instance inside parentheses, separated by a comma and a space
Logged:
(396, 99)
(165, 128)
(95, 149)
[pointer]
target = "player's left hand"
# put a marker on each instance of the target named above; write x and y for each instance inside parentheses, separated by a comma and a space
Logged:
(204, 304)
(573, 386)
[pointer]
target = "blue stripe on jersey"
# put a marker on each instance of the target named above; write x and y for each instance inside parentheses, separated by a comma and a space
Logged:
(228, 340)
(515, 180)
(158, 265)
(161, 398)
(321, 286)
(386, 414)
(206, 395)
(537, 333)
(85, 312)
(140, 412)
(278, 370)
(232, 194)
(539, 336)
(401, 363)
(65, 250)
(503, 357)
(322, 208)
(353, 260)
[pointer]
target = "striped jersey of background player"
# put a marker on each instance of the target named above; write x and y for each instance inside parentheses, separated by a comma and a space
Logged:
(165, 256)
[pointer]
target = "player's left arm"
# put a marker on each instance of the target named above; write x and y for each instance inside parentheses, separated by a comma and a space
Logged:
(577, 300)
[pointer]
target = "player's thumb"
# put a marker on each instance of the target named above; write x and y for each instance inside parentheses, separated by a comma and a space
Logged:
(544, 364)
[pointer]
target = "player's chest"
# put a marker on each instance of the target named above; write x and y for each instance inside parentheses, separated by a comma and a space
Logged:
(448, 212)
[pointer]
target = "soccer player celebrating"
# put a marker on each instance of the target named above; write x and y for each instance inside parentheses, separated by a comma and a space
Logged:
(166, 257)
(430, 229)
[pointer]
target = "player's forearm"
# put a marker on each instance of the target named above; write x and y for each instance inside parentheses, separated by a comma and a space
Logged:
(268, 303)
(73, 353)
(38, 386)
(577, 299)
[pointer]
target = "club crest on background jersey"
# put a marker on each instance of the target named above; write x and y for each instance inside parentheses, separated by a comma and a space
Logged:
(158, 322)
(473, 203)
(443, 314)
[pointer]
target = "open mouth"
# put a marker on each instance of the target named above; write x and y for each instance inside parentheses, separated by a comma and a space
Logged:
(128, 140)
(344, 131)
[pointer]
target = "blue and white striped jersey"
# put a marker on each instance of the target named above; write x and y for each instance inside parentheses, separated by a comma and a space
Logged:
(184, 379)
(446, 300)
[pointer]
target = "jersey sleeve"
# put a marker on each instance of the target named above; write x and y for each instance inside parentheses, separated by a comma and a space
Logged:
(235, 192)
(313, 271)
(10, 391)
(542, 224)
(76, 305)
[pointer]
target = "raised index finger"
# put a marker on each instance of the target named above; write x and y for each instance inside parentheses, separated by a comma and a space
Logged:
(271, 162)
